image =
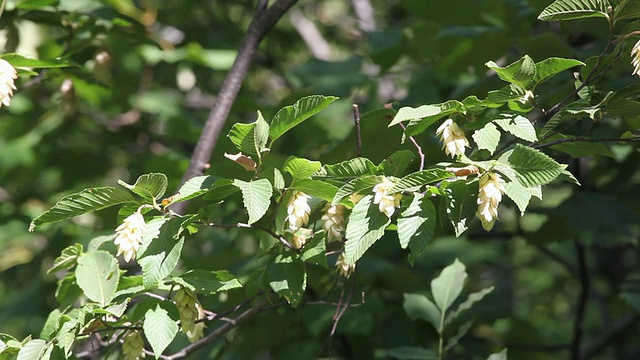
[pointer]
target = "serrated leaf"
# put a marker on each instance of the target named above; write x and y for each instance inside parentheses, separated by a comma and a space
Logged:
(420, 307)
(487, 138)
(208, 282)
(67, 259)
(628, 9)
(412, 352)
(518, 126)
(533, 167)
(468, 303)
(448, 285)
(574, 9)
(193, 188)
(418, 126)
(290, 116)
(149, 186)
(521, 195)
(397, 163)
(361, 185)
(300, 168)
(161, 248)
(275, 177)
(250, 138)
(579, 149)
(256, 197)
(365, 226)
(33, 350)
(416, 225)
(349, 168)
(497, 98)
(409, 113)
(85, 201)
(314, 251)
(316, 188)
(521, 72)
(221, 189)
(549, 67)
(97, 275)
(159, 329)
(414, 181)
(286, 275)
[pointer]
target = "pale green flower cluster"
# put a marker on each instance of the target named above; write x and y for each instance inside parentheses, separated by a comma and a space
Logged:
(7, 76)
(133, 346)
(129, 235)
(635, 58)
(489, 197)
(387, 204)
(333, 222)
(343, 268)
(453, 139)
(190, 310)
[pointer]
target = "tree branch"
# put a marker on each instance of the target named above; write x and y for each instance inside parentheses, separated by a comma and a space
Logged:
(246, 315)
(263, 21)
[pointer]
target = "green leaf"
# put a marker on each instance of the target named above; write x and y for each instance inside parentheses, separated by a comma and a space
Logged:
(549, 67)
(397, 163)
(97, 275)
(290, 116)
(275, 177)
(497, 98)
(468, 303)
(300, 168)
(532, 166)
(412, 352)
(365, 226)
(447, 287)
(34, 350)
(21, 61)
(628, 9)
(250, 138)
(454, 339)
(221, 189)
(161, 248)
(346, 169)
(85, 201)
(316, 188)
(416, 225)
(193, 188)
(487, 138)
(286, 275)
(36, 4)
(361, 185)
(409, 113)
(420, 307)
(521, 195)
(574, 9)
(460, 204)
(414, 181)
(418, 126)
(256, 196)
(518, 126)
(578, 149)
(67, 259)
(159, 329)
(149, 186)
(315, 250)
(502, 355)
(208, 282)
(521, 72)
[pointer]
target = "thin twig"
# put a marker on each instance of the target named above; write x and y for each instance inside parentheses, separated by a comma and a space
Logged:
(418, 147)
(253, 226)
(246, 315)
(356, 120)
(578, 325)
(263, 21)
(586, 139)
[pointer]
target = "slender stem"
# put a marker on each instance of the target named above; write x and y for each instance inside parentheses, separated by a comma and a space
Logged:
(418, 147)
(356, 120)
(4, 2)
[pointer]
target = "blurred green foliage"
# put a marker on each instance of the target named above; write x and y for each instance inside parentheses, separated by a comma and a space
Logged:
(145, 76)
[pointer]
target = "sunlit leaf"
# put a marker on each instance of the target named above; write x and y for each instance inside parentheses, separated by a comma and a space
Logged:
(416, 225)
(487, 138)
(420, 307)
(149, 186)
(574, 9)
(98, 276)
(159, 329)
(518, 126)
(365, 226)
(300, 168)
(448, 285)
(290, 116)
(346, 169)
(286, 275)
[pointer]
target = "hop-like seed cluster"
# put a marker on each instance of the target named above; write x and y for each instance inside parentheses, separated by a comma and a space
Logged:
(635, 58)
(133, 346)
(298, 210)
(453, 139)
(343, 268)
(129, 235)
(386, 203)
(489, 197)
(190, 310)
(333, 222)
(7, 76)
(198, 328)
